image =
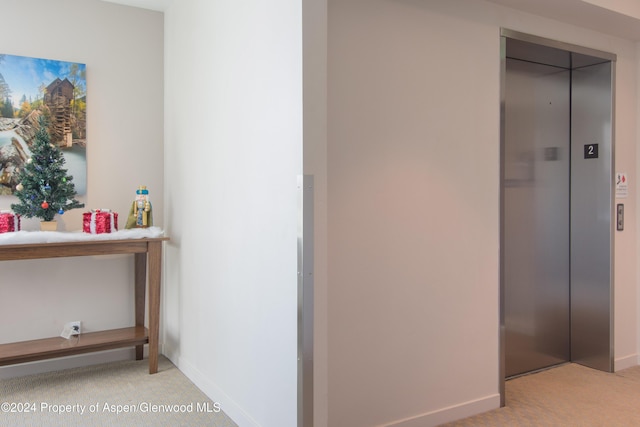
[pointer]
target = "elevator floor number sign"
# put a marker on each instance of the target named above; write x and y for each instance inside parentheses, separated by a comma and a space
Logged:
(591, 151)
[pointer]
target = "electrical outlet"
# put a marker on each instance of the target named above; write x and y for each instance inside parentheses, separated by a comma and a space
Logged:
(75, 327)
(71, 329)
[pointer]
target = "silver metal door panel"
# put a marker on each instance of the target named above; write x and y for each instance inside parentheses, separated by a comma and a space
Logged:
(591, 204)
(305, 300)
(536, 216)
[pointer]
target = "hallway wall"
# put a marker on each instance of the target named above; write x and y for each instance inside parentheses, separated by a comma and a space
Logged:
(233, 123)
(413, 206)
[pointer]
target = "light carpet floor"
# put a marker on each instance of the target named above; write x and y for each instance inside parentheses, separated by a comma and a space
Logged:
(569, 395)
(113, 394)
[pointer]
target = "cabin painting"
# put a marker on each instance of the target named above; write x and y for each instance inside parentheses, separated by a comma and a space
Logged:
(35, 87)
(58, 98)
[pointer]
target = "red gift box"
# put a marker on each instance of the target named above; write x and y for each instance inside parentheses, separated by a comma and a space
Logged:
(9, 221)
(100, 221)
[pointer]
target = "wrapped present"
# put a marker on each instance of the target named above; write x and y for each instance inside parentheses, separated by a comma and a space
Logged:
(9, 221)
(100, 221)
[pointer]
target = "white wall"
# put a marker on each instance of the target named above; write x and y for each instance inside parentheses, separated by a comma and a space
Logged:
(233, 152)
(413, 206)
(123, 50)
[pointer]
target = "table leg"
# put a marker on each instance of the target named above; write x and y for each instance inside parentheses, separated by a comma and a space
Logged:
(155, 268)
(140, 289)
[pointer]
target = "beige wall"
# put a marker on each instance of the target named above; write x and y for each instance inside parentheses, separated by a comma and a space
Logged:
(413, 206)
(625, 7)
(123, 50)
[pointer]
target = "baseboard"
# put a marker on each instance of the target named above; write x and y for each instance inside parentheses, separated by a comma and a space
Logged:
(626, 362)
(76, 361)
(451, 413)
(228, 406)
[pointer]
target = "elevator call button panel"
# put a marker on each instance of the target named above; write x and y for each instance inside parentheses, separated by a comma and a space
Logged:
(620, 217)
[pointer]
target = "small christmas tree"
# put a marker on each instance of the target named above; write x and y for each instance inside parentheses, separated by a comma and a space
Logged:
(45, 189)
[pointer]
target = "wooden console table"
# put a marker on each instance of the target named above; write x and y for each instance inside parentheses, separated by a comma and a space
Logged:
(148, 262)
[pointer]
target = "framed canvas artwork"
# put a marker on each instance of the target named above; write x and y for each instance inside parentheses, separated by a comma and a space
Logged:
(35, 87)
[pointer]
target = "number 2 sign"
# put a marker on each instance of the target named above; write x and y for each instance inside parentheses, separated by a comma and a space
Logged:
(591, 151)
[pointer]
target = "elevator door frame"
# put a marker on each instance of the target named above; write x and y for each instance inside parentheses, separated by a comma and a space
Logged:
(580, 54)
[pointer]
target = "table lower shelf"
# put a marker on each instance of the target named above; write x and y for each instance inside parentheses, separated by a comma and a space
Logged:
(49, 348)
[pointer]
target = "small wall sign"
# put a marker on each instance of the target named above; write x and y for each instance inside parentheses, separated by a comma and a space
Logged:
(622, 185)
(591, 151)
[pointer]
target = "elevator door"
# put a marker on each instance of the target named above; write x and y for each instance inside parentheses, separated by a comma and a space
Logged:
(556, 241)
(536, 224)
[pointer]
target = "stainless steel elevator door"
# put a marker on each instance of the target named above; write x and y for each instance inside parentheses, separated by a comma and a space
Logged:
(591, 223)
(536, 216)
